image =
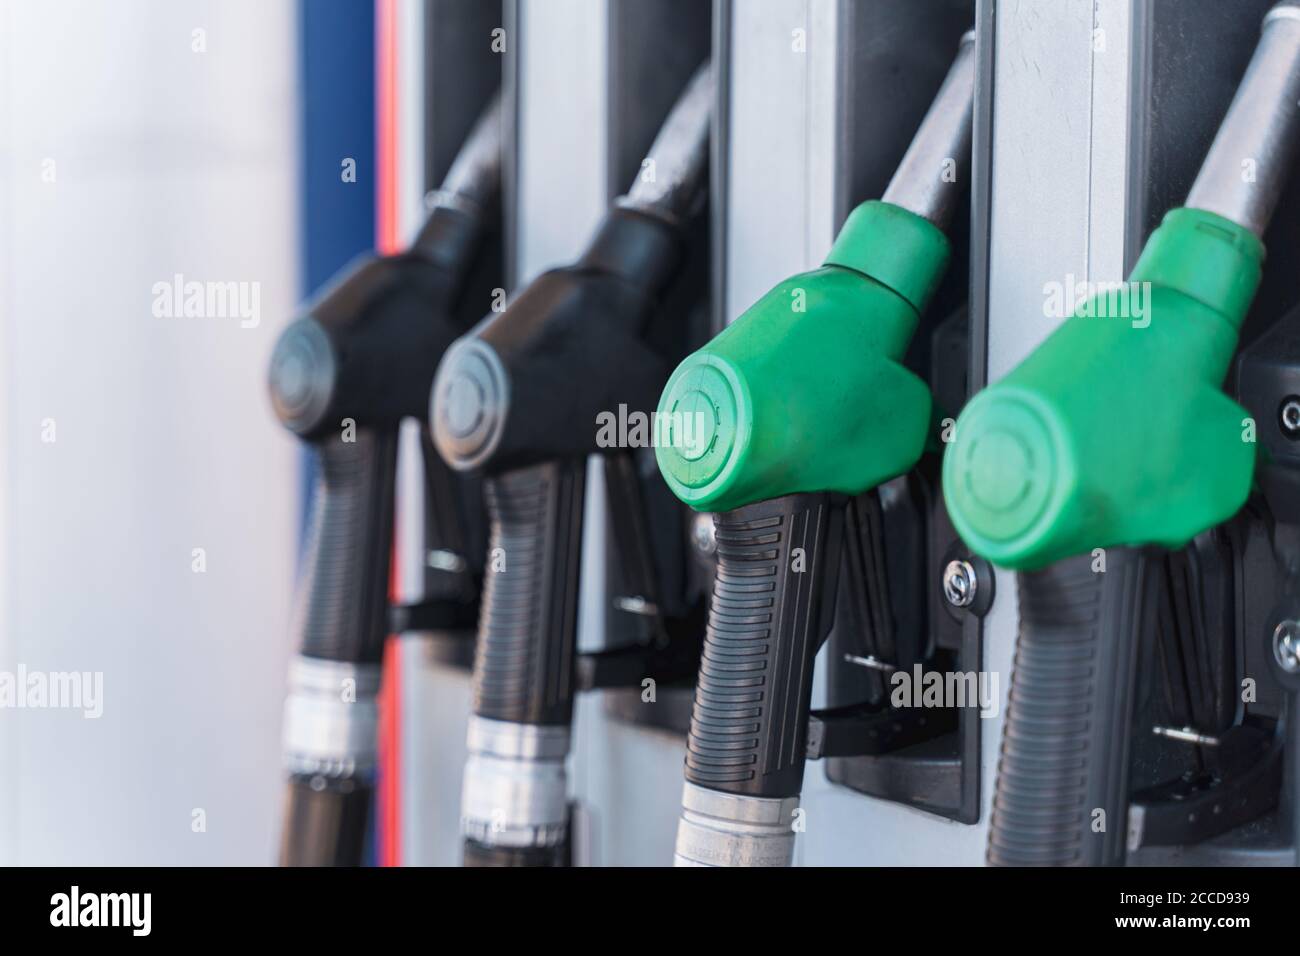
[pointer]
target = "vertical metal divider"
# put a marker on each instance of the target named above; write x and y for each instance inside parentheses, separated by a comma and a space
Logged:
(981, 190)
(441, 42)
(594, 615)
(976, 753)
(409, 504)
(510, 141)
(1139, 134)
(719, 148)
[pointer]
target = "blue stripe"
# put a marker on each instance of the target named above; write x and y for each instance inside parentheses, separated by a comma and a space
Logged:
(336, 72)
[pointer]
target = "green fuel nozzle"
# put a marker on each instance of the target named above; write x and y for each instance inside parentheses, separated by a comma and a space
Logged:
(1116, 431)
(1115, 434)
(803, 397)
(806, 391)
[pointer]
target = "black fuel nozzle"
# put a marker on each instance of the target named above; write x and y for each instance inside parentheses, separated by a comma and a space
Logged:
(369, 343)
(518, 399)
(526, 385)
(342, 378)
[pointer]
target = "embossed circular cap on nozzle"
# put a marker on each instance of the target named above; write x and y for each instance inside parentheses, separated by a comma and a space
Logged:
(469, 404)
(703, 429)
(1010, 477)
(303, 376)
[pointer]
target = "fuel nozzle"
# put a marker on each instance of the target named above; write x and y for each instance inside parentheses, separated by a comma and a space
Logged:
(367, 347)
(526, 385)
(1112, 440)
(342, 378)
(518, 399)
(802, 401)
(806, 391)
(1116, 430)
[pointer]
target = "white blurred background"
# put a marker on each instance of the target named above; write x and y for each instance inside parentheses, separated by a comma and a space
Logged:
(165, 160)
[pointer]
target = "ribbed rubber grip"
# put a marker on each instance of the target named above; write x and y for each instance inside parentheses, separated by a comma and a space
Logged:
(1065, 744)
(326, 826)
(346, 571)
(524, 662)
(772, 607)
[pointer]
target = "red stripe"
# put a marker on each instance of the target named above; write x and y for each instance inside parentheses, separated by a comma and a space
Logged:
(387, 236)
(386, 240)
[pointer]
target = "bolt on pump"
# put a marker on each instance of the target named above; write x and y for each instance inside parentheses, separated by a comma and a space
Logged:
(772, 425)
(518, 400)
(1111, 439)
(342, 378)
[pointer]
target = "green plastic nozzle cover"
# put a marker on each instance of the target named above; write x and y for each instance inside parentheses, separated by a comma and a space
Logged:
(1116, 430)
(807, 391)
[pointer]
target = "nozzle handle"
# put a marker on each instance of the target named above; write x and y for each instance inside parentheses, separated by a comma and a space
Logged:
(344, 617)
(523, 668)
(1061, 796)
(772, 606)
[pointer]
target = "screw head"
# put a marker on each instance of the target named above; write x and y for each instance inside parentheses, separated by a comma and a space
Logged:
(1286, 646)
(959, 583)
(704, 534)
(1289, 416)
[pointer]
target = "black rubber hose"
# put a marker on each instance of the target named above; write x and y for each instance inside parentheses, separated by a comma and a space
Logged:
(325, 821)
(482, 855)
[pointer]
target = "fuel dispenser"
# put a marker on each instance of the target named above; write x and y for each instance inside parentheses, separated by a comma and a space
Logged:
(821, 486)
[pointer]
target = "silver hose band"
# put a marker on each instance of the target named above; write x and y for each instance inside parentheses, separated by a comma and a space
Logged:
(331, 719)
(723, 829)
(515, 791)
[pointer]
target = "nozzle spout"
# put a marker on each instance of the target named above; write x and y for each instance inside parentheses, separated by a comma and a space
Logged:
(460, 211)
(1247, 165)
(930, 178)
(674, 176)
(475, 174)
